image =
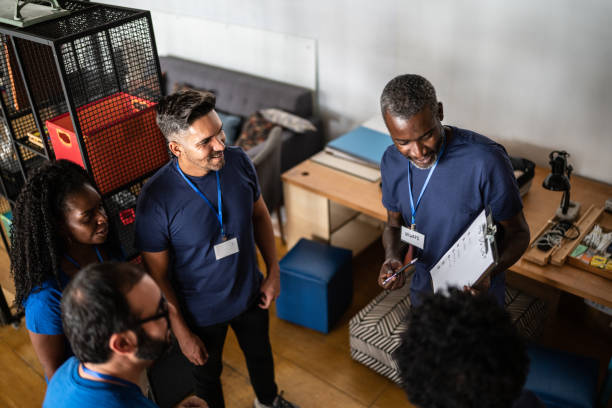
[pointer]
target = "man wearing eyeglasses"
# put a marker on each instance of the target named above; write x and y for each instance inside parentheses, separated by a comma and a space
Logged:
(117, 322)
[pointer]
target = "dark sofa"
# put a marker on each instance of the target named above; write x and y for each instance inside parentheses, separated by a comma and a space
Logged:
(243, 94)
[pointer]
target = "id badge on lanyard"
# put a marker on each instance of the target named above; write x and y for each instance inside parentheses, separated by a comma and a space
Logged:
(228, 246)
(411, 235)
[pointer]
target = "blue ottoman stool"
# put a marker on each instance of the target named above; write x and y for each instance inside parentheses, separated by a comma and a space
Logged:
(316, 285)
(561, 379)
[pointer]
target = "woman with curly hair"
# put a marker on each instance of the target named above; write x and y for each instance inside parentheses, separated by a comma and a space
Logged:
(59, 226)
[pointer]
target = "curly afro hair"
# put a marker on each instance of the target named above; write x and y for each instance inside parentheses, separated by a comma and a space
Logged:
(37, 242)
(461, 351)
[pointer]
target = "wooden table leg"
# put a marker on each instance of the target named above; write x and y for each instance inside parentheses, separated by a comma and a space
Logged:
(307, 215)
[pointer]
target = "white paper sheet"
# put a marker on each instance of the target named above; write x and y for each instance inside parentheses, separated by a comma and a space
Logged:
(347, 166)
(467, 260)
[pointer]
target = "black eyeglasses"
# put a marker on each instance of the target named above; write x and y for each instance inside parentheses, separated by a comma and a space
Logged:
(164, 312)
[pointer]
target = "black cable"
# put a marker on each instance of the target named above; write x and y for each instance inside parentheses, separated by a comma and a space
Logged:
(556, 233)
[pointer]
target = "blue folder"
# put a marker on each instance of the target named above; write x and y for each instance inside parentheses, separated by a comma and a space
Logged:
(363, 143)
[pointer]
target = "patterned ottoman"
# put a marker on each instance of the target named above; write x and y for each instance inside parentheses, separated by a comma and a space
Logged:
(375, 331)
(527, 312)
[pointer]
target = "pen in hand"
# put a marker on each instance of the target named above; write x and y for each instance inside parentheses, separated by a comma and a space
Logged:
(400, 270)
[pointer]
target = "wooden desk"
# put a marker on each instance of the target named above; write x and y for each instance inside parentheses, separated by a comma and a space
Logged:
(324, 204)
(311, 190)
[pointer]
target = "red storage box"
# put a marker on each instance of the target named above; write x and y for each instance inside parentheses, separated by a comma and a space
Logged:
(120, 137)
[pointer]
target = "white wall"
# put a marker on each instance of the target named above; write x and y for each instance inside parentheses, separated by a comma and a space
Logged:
(283, 57)
(534, 75)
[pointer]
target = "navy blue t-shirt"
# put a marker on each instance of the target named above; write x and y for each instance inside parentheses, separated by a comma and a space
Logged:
(172, 216)
(474, 172)
(68, 389)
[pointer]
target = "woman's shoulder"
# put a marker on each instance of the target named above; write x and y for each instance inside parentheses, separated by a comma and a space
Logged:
(47, 292)
(42, 309)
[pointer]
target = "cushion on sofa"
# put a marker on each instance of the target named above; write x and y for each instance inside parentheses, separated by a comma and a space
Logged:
(288, 120)
(255, 130)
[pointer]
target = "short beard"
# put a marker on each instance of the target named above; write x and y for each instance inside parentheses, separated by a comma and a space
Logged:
(435, 155)
(429, 166)
(217, 167)
(149, 348)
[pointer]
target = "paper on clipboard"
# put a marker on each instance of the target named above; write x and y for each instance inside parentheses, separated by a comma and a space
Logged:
(470, 258)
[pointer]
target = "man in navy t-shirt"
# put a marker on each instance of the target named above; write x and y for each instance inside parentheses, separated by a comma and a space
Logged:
(197, 222)
(117, 321)
(435, 180)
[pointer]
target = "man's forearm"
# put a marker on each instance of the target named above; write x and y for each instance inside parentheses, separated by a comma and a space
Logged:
(394, 247)
(513, 243)
(264, 239)
(179, 325)
(512, 252)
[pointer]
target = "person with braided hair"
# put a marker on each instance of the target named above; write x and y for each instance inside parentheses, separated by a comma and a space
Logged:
(59, 226)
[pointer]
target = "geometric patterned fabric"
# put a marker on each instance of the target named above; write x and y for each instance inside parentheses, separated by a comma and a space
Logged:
(527, 313)
(374, 332)
(376, 329)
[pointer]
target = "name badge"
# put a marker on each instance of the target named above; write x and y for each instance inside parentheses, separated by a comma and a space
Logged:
(413, 237)
(226, 248)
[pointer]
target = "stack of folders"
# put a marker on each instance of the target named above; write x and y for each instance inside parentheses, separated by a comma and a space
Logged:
(358, 152)
(362, 145)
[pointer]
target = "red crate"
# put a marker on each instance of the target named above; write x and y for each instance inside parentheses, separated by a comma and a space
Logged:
(120, 136)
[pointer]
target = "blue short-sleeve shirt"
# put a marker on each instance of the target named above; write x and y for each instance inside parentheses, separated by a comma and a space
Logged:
(42, 307)
(474, 172)
(43, 314)
(69, 390)
(171, 216)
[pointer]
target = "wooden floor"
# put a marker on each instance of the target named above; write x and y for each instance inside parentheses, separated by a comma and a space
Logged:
(314, 369)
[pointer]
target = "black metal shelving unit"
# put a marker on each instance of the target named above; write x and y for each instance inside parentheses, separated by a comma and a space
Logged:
(99, 66)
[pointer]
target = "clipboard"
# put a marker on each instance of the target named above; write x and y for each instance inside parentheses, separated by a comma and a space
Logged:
(470, 258)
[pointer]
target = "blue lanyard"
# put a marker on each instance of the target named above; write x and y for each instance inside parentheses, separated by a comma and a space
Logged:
(219, 212)
(78, 266)
(107, 377)
(413, 208)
